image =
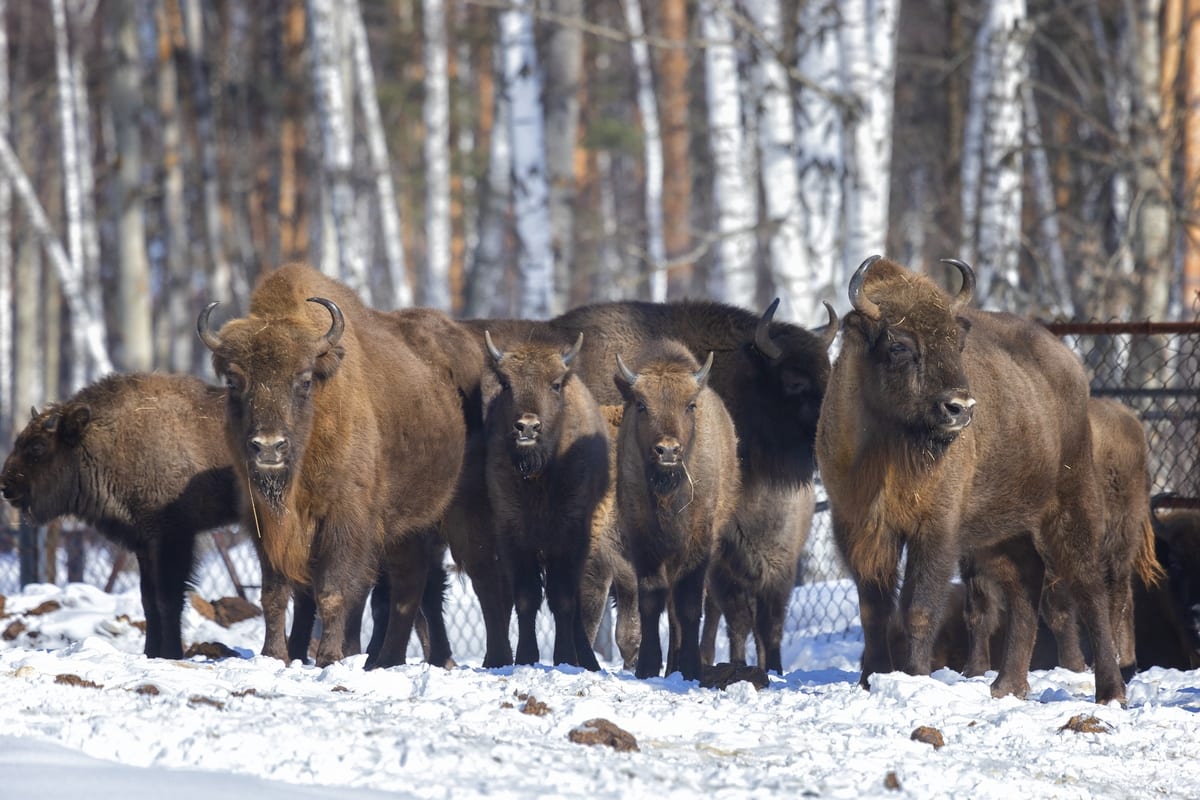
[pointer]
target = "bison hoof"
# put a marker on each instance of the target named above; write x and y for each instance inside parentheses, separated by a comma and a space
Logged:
(1003, 688)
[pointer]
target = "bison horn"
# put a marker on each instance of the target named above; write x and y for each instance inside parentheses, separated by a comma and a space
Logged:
(629, 375)
(861, 303)
(210, 339)
(831, 328)
(33, 412)
(569, 356)
(967, 290)
(493, 351)
(702, 375)
(762, 334)
(338, 327)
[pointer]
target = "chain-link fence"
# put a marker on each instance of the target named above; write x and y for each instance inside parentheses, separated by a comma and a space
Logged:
(1152, 367)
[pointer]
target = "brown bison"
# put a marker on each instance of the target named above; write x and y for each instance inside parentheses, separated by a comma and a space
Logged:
(547, 470)
(608, 565)
(948, 432)
(677, 488)
(141, 457)
(349, 444)
(1174, 604)
(751, 577)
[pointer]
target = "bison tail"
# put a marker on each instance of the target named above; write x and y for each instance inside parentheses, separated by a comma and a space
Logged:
(1145, 563)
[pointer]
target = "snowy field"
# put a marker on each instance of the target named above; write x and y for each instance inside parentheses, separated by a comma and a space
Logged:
(83, 714)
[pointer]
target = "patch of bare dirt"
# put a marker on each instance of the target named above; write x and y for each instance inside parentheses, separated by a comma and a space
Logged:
(201, 700)
(929, 735)
(1086, 723)
(69, 679)
(533, 706)
(601, 731)
(148, 689)
(722, 676)
(213, 650)
(890, 781)
(14, 629)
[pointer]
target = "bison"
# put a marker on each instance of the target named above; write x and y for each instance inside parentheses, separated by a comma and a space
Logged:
(546, 472)
(677, 488)
(349, 444)
(948, 432)
(1175, 602)
(140, 457)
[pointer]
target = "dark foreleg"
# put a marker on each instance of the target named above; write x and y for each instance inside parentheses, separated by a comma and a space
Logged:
(652, 600)
(527, 597)
(689, 602)
(148, 581)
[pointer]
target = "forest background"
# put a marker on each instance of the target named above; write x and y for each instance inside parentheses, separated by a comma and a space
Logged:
(498, 158)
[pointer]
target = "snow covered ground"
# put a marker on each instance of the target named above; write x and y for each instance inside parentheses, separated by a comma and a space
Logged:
(83, 714)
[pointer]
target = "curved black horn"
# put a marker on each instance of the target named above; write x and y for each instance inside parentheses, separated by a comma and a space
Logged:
(831, 327)
(495, 352)
(967, 290)
(629, 375)
(33, 412)
(339, 322)
(703, 373)
(861, 303)
(210, 339)
(569, 356)
(762, 333)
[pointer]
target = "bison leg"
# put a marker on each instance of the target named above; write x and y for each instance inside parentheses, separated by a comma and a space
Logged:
(436, 641)
(174, 563)
(768, 626)
(593, 596)
(876, 603)
(527, 596)
(148, 581)
(571, 642)
(408, 572)
(1020, 578)
(494, 592)
(1058, 609)
(652, 600)
(274, 601)
(688, 600)
(629, 629)
(735, 602)
(708, 631)
(304, 617)
(923, 596)
(981, 613)
(380, 600)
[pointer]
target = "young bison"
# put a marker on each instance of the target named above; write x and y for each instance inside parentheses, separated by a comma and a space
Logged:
(142, 458)
(677, 487)
(546, 471)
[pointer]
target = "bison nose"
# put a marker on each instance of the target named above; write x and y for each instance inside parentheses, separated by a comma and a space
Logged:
(667, 450)
(956, 409)
(527, 427)
(269, 450)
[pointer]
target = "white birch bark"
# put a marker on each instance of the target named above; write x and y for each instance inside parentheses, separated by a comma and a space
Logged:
(1116, 71)
(336, 138)
(435, 287)
(1047, 210)
(385, 189)
(180, 323)
(564, 66)
(733, 280)
(133, 266)
(780, 178)
(484, 289)
(523, 82)
(868, 52)
(652, 152)
(88, 320)
(994, 137)
(82, 12)
(8, 419)
(464, 138)
(819, 136)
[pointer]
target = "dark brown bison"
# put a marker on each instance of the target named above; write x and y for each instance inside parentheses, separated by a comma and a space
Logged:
(547, 470)
(141, 457)
(677, 488)
(949, 432)
(751, 577)
(1173, 606)
(349, 444)
(608, 566)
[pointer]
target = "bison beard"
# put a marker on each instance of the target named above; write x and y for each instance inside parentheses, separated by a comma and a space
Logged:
(530, 461)
(272, 484)
(664, 480)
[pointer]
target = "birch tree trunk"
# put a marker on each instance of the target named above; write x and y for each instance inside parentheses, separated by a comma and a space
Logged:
(564, 65)
(1062, 302)
(652, 154)
(734, 279)
(435, 288)
(819, 148)
(223, 282)
(180, 321)
(523, 82)
(677, 170)
(790, 271)
(868, 52)
(133, 268)
(486, 285)
(336, 151)
(992, 156)
(82, 12)
(86, 319)
(385, 189)
(8, 419)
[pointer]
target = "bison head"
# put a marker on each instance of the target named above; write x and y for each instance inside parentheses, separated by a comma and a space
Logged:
(528, 397)
(45, 460)
(661, 401)
(271, 368)
(911, 337)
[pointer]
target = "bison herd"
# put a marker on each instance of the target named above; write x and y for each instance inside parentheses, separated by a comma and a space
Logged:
(660, 453)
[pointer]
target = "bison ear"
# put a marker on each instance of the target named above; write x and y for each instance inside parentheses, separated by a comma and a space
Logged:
(864, 326)
(964, 327)
(328, 362)
(74, 419)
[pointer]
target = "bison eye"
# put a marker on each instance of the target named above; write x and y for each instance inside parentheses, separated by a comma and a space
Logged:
(233, 383)
(641, 407)
(304, 385)
(691, 406)
(35, 450)
(899, 352)
(556, 387)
